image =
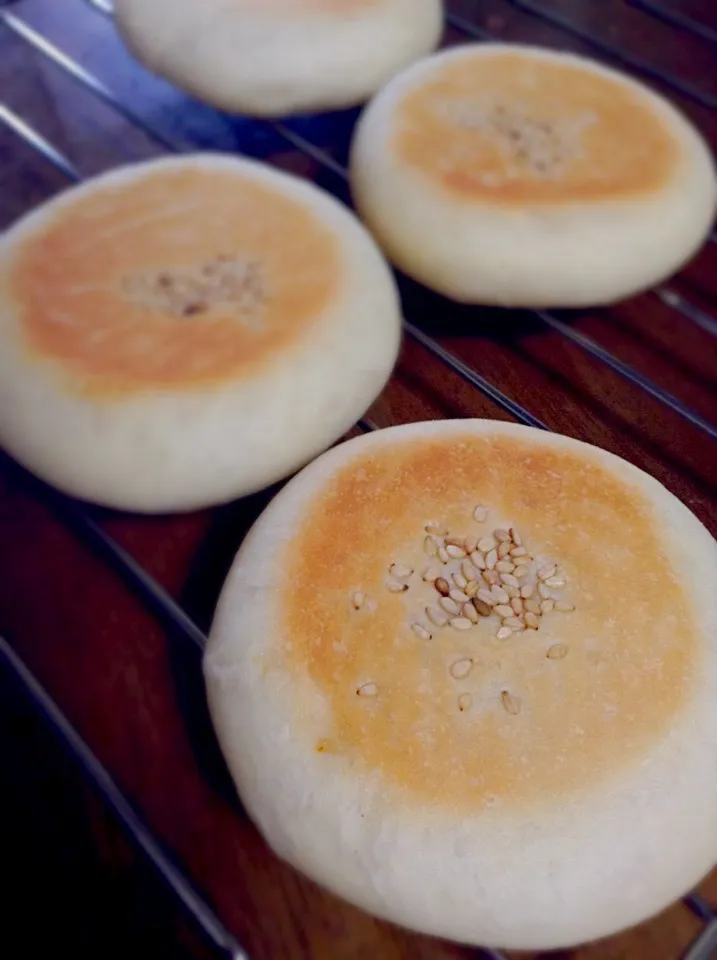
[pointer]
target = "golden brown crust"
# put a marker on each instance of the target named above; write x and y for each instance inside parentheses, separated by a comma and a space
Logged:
(514, 128)
(90, 286)
(632, 642)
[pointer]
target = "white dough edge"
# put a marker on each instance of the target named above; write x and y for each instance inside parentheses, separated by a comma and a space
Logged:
(184, 448)
(553, 875)
(265, 63)
(541, 255)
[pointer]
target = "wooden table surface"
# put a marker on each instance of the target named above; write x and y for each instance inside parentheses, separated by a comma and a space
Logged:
(130, 683)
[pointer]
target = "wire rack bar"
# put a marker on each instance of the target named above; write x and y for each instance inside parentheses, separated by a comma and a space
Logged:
(635, 63)
(626, 371)
(81, 76)
(677, 302)
(704, 946)
(134, 825)
(35, 140)
(675, 18)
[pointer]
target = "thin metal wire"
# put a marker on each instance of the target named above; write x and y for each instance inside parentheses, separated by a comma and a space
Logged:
(675, 19)
(704, 946)
(135, 826)
(677, 302)
(626, 371)
(35, 140)
(636, 63)
(25, 32)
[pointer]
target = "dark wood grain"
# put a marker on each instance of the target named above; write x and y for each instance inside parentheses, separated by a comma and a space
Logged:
(131, 687)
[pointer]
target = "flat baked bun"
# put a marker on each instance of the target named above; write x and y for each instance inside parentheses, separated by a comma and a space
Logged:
(497, 785)
(276, 57)
(184, 331)
(516, 176)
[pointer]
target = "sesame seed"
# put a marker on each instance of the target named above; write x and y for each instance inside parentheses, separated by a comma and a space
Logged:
(367, 690)
(526, 591)
(461, 623)
(472, 588)
(516, 537)
(547, 571)
(460, 581)
(517, 605)
(555, 582)
(469, 571)
(486, 544)
(478, 559)
(471, 543)
(532, 620)
(449, 605)
(504, 610)
(458, 596)
(420, 631)
(480, 514)
(532, 605)
(505, 566)
(511, 590)
(470, 613)
(557, 652)
(483, 608)
(443, 586)
(465, 701)
(514, 622)
(430, 546)
(544, 592)
(400, 572)
(504, 633)
(437, 616)
(461, 668)
(503, 549)
(521, 572)
(546, 606)
(500, 595)
(443, 555)
(509, 579)
(519, 552)
(431, 574)
(564, 606)
(491, 577)
(394, 586)
(501, 535)
(510, 703)
(487, 597)
(433, 526)
(491, 558)
(358, 600)
(454, 551)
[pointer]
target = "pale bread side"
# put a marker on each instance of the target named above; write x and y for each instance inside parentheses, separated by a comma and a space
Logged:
(517, 176)
(179, 437)
(273, 59)
(543, 862)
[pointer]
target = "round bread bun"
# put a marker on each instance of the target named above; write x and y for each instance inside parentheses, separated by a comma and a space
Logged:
(516, 176)
(277, 57)
(181, 332)
(528, 791)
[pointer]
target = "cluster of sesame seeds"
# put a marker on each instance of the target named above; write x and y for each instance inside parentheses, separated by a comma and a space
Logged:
(496, 576)
(230, 282)
(476, 578)
(531, 144)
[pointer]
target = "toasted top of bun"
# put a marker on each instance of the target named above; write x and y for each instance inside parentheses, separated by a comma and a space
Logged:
(509, 781)
(282, 56)
(186, 330)
(539, 165)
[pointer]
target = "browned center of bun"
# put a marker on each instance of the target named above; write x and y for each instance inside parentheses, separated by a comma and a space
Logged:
(522, 723)
(516, 128)
(176, 278)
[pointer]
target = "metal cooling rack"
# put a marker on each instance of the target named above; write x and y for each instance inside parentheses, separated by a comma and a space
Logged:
(155, 598)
